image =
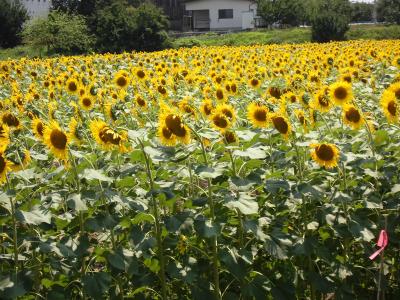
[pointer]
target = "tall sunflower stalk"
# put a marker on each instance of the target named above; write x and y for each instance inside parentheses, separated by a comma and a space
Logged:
(214, 240)
(160, 248)
(15, 231)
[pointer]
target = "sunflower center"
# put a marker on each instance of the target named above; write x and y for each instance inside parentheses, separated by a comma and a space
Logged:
(140, 74)
(325, 152)
(323, 101)
(353, 115)
(11, 120)
(86, 102)
(233, 88)
(122, 81)
(108, 135)
(39, 128)
(260, 115)
(230, 137)
(228, 113)
(340, 93)
(140, 101)
(174, 124)
(392, 108)
(275, 92)
(280, 124)
(207, 109)
(58, 139)
(2, 164)
(72, 87)
(161, 90)
(254, 82)
(220, 95)
(166, 133)
(302, 120)
(220, 121)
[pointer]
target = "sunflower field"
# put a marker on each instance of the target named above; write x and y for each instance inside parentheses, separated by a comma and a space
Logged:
(257, 172)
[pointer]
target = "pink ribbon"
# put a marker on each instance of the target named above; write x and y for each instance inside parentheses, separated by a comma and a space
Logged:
(382, 243)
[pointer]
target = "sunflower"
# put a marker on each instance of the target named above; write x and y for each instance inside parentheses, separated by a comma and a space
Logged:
(281, 124)
(72, 85)
(10, 120)
(326, 155)
(321, 101)
(390, 106)
(4, 137)
(174, 124)
(352, 116)
(340, 92)
(220, 121)
(206, 107)
(121, 79)
(74, 131)
(141, 102)
(166, 136)
(230, 137)
(24, 160)
(395, 88)
(140, 74)
(38, 128)
(228, 110)
(220, 95)
(86, 101)
(106, 137)
(254, 82)
(5, 167)
(257, 115)
(301, 118)
(56, 140)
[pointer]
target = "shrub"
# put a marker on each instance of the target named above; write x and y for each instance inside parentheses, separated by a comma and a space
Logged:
(12, 17)
(331, 21)
(59, 33)
(389, 11)
(121, 27)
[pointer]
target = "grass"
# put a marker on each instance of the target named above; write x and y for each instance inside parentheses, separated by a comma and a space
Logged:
(279, 36)
(258, 37)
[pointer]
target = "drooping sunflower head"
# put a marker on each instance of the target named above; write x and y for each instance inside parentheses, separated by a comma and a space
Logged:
(75, 131)
(321, 101)
(230, 137)
(228, 110)
(38, 128)
(326, 155)
(10, 120)
(140, 102)
(206, 107)
(4, 137)
(390, 106)
(166, 136)
(56, 140)
(341, 92)
(5, 167)
(171, 122)
(300, 115)
(220, 121)
(281, 123)
(105, 136)
(352, 116)
(258, 115)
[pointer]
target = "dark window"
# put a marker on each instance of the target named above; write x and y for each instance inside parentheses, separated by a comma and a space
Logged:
(225, 14)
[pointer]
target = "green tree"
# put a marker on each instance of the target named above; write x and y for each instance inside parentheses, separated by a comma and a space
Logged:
(288, 12)
(59, 33)
(12, 17)
(123, 27)
(389, 11)
(361, 12)
(330, 21)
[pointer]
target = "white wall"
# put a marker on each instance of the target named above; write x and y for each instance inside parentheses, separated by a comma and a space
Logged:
(37, 8)
(238, 7)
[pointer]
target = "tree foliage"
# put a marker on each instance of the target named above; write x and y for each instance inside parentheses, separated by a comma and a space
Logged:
(12, 17)
(287, 12)
(59, 33)
(361, 12)
(331, 20)
(122, 27)
(389, 11)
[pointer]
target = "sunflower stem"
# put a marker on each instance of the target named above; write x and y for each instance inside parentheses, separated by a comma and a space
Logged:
(214, 240)
(158, 228)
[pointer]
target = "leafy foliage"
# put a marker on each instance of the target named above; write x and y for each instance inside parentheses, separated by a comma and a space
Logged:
(59, 33)
(331, 21)
(389, 11)
(12, 17)
(362, 12)
(285, 12)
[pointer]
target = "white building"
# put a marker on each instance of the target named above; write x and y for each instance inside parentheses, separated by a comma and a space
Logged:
(37, 8)
(220, 14)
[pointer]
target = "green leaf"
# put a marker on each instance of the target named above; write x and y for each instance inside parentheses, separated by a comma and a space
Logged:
(96, 284)
(117, 260)
(208, 172)
(34, 217)
(252, 153)
(246, 204)
(395, 189)
(381, 137)
(5, 201)
(359, 231)
(92, 174)
(5, 283)
(76, 203)
(143, 217)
